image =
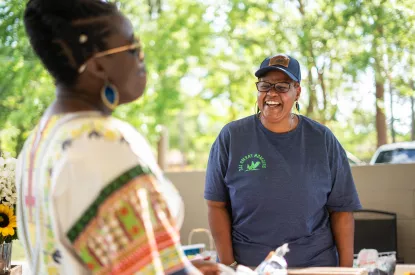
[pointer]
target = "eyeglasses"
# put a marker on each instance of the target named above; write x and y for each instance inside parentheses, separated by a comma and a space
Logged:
(280, 87)
(134, 48)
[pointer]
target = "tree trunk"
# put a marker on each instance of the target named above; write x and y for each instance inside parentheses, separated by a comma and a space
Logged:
(150, 7)
(413, 117)
(154, 6)
(234, 113)
(312, 99)
(413, 112)
(182, 136)
(159, 6)
(163, 148)
(311, 102)
(381, 127)
(307, 50)
(392, 117)
(323, 88)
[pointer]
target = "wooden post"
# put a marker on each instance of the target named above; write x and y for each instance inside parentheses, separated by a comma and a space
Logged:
(182, 136)
(413, 118)
(393, 133)
(163, 148)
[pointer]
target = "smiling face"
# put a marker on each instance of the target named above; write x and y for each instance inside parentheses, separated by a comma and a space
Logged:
(276, 104)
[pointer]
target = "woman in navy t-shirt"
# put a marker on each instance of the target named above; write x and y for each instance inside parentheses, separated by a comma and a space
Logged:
(276, 177)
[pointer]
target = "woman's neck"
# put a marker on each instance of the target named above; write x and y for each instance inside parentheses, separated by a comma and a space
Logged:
(284, 126)
(72, 100)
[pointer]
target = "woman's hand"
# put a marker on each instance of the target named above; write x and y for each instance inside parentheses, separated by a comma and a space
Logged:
(206, 267)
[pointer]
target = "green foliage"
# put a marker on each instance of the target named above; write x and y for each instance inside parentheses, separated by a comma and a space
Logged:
(201, 56)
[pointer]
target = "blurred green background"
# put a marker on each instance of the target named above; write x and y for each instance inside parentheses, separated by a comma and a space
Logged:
(357, 62)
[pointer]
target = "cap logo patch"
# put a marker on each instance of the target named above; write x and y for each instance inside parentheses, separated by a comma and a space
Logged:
(280, 59)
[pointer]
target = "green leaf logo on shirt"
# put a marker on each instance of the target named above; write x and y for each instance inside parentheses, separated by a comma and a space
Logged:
(253, 166)
(252, 162)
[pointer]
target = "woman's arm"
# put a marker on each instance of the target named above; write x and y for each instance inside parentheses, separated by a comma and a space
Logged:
(220, 226)
(342, 225)
(342, 200)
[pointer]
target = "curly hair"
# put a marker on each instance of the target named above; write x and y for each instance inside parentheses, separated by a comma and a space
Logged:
(64, 34)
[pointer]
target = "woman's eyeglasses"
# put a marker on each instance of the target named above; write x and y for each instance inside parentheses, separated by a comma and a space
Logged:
(134, 48)
(280, 87)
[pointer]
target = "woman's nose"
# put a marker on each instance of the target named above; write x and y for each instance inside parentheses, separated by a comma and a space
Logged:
(272, 91)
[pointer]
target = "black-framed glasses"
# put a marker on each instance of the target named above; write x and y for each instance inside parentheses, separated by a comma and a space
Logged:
(279, 87)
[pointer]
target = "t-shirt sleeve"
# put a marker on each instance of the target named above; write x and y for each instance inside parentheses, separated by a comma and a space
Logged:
(343, 196)
(109, 211)
(215, 186)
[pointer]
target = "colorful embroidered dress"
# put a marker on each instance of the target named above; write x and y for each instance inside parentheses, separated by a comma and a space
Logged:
(92, 200)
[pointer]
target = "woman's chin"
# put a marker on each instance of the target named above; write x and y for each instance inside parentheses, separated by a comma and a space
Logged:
(132, 97)
(273, 117)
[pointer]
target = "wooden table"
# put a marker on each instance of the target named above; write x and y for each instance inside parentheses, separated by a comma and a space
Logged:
(405, 269)
(328, 271)
(17, 270)
(401, 269)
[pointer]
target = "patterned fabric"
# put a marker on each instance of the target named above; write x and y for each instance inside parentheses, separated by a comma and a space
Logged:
(133, 216)
(92, 200)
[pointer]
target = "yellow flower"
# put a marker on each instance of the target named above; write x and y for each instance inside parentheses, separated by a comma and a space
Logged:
(7, 221)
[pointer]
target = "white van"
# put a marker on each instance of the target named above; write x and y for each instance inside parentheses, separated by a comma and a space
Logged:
(401, 152)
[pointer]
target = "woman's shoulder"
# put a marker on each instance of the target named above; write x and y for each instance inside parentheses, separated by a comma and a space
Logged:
(88, 127)
(93, 126)
(105, 132)
(59, 137)
(240, 124)
(318, 130)
(314, 126)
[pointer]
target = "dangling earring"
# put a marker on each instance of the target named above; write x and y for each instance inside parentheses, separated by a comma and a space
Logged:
(110, 96)
(257, 108)
(297, 106)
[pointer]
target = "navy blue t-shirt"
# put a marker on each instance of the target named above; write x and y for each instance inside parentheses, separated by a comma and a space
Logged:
(280, 188)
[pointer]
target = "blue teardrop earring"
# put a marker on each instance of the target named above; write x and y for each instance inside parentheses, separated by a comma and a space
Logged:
(110, 96)
(297, 106)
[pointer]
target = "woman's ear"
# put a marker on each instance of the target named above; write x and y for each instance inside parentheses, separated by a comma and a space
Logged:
(298, 91)
(95, 68)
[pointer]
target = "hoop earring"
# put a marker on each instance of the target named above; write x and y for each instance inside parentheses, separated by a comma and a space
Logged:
(297, 106)
(110, 96)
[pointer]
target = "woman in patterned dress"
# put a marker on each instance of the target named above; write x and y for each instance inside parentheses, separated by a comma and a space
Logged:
(92, 199)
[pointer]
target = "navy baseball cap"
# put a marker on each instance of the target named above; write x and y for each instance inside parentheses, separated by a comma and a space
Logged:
(280, 62)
